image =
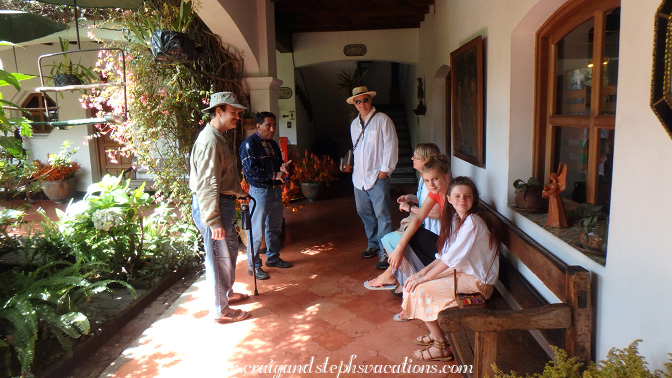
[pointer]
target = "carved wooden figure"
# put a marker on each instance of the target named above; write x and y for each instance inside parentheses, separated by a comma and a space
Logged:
(556, 208)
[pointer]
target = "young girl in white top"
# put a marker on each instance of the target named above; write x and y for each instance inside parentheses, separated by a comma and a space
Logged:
(468, 245)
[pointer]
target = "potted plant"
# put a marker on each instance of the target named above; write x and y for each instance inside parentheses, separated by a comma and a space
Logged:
(165, 31)
(314, 173)
(57, 176)
(593, 225)
(528, 194)
(68, 72)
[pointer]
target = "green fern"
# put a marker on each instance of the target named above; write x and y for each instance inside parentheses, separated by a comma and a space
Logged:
(46, 298)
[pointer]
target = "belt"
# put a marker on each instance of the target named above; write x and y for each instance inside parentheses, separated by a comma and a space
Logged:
(230, 196)
(267, 186)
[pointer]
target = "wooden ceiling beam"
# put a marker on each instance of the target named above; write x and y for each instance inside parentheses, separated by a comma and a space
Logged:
(339, 13)
(342, 15)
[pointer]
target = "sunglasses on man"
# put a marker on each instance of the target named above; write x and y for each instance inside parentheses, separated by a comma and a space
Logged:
(364, 100)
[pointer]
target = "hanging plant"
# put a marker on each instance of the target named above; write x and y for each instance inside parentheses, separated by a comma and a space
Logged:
(165, 30)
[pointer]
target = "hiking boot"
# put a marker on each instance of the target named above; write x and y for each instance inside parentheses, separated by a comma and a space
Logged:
(260, 274)
(279, 263)
(370, 252)
(382, 263)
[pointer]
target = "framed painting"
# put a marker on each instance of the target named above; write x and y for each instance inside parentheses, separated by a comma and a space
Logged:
(467, 97)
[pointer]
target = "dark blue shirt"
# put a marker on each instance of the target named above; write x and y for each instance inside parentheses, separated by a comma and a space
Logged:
(261, 161)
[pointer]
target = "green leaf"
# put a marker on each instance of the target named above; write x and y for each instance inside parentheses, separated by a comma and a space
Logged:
(12, 145)
(7, 78)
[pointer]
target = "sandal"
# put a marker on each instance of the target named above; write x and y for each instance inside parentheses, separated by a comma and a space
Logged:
(401, 317)
(238, 297)
(426, 340)
(375, 285)
(233, 316)
(429, 354)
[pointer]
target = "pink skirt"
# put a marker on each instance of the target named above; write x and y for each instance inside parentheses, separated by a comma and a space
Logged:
(431, 297)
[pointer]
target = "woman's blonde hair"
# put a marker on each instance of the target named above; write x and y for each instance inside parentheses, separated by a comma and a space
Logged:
(426, 150)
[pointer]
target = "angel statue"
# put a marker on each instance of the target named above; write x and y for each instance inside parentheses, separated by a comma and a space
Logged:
(421, 109)
(556, 208)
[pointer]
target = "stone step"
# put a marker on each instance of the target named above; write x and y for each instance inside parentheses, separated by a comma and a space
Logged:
(404, 170)
(402, 180)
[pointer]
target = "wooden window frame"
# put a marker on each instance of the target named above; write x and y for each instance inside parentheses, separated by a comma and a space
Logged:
(38, 113)
(566, 19)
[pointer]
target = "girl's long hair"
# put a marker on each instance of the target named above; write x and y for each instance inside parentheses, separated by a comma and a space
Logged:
(449, 213)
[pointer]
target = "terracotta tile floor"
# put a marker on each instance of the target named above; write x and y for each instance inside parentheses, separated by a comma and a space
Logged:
(316, 314)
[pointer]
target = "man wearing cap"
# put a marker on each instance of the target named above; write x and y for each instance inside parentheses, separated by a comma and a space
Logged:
(215, 185)
(264, 170)
(375, 149)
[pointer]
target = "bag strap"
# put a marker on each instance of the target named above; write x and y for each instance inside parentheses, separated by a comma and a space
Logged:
(486, 273)
(363, 128)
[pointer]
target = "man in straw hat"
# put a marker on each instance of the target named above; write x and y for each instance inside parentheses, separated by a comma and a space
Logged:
(375, 148)
(215, 185)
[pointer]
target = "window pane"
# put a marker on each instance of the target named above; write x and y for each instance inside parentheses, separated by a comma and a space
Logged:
(605, 163)
(573, 72)
(571, 148)
(610, 62)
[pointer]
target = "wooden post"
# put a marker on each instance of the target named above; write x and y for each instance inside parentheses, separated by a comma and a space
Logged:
(579, 336)
(485, 353)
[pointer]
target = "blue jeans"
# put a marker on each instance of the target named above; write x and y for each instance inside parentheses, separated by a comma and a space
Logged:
(373, 206)
(266, 223)
(220, 255)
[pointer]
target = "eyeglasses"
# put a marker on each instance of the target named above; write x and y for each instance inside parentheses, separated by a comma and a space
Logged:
(364, 100)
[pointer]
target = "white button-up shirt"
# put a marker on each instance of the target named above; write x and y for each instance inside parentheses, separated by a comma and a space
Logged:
(376, 151)
(470, 252)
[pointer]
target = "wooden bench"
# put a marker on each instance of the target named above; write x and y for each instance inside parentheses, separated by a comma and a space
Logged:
(500, 332)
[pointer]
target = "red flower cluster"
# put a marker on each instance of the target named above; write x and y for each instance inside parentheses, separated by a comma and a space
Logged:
(48, 172)
(313, 168)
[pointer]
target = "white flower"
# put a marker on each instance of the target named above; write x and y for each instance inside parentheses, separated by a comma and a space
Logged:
(105, 219)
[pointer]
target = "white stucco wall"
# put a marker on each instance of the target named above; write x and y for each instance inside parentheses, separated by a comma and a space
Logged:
(640, 242)
(69, 107)
(384, 45)
(286, 74)
(242, 28)
(639, 239)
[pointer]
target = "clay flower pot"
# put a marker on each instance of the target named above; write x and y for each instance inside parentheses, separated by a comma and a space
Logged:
(60, 191)
(530, 199)
(312, 190)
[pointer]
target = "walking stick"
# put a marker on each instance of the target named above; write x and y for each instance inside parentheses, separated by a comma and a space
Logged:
(247, 225)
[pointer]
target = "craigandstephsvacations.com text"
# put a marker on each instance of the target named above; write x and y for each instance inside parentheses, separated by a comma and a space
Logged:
(349, 367)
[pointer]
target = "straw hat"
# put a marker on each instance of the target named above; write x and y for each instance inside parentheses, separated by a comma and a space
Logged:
(358, 91)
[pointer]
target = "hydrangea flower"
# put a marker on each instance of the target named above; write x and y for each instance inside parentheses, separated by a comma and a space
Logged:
(105, 219)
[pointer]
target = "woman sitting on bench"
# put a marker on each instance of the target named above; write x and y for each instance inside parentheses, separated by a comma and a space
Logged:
(468, 246)
(431, 222)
